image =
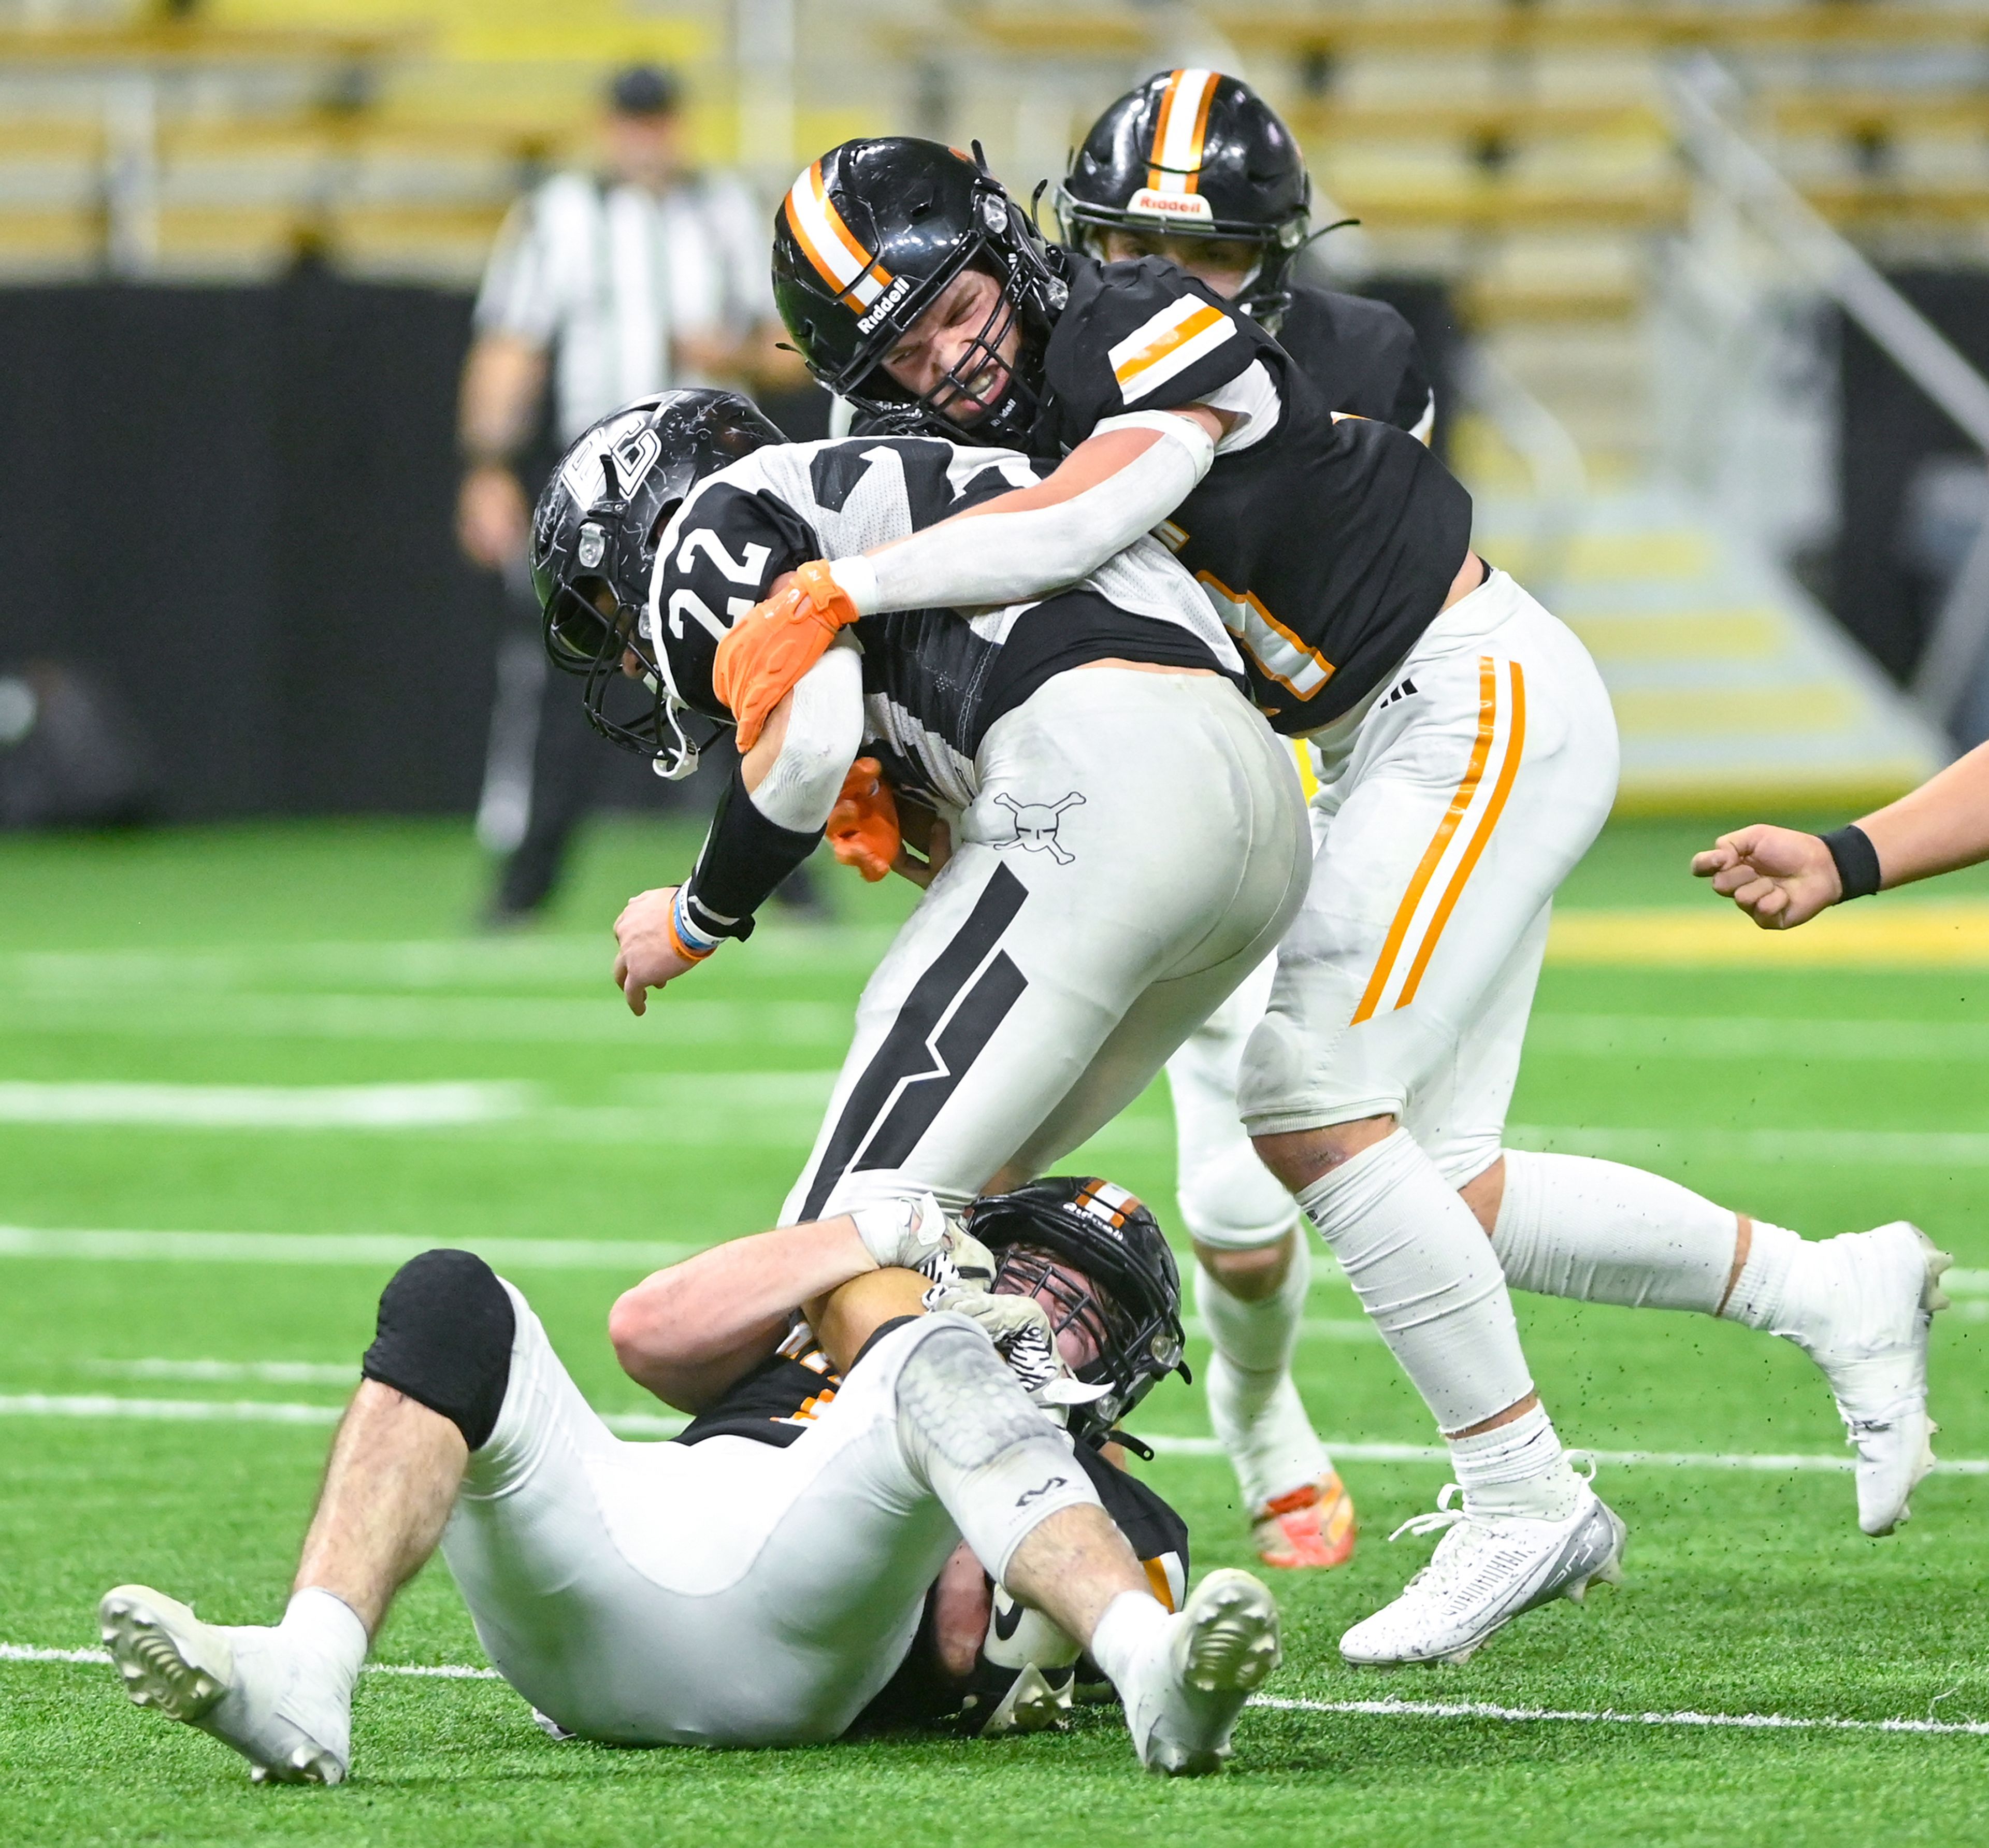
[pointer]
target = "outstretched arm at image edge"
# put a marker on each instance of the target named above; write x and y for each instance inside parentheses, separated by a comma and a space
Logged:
(1782, 878)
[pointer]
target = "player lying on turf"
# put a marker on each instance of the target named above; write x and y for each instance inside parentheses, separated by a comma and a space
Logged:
(1467, 756)
(1080, 1263)
(1782, 878)
(720, 1589)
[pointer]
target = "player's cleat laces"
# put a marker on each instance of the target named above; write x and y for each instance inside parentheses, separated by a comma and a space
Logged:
(1874, 1294)
(1314, 1526)
(1212, 1655)
(1486, 1571)
(255, 1689)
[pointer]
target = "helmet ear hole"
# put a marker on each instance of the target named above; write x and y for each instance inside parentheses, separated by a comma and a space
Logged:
(665, 514)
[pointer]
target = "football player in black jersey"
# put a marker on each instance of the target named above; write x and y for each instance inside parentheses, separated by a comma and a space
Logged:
(788, 1565)
(1086, 1254)
(1195, 168)
(1467, 757)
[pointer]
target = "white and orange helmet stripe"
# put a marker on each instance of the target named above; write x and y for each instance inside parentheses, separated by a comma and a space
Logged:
(832, 247)
(1176, 160)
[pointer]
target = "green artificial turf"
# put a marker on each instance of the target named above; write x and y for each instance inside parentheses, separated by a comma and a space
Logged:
(337, 955)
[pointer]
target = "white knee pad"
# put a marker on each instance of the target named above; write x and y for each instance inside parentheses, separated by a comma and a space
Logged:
(1231, 1200)
(995, 1463)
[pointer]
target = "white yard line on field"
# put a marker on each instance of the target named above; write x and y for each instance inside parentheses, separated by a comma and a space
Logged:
(273, 1373)
(1374, 1710)
(444, 1105)
(255, 1412)
(178, 1014)
(782, 1109)
(438, 1671)
(644, 1424)
(1485, 1710)
(1812, 1147)
(372, 1250)
(1727, 1036)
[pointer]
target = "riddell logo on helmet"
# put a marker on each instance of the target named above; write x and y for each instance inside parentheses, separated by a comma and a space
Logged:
(884, 304)
(1171, 205)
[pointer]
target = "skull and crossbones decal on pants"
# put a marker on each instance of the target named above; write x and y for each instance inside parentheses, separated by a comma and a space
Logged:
(1036, 826)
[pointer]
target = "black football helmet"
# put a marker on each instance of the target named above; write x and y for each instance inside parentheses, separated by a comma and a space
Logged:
(594, 540)
(1134, 1317)
(1194, 154)
(865, 240)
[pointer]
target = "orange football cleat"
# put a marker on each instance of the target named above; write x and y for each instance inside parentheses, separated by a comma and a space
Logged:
(1314, 1526)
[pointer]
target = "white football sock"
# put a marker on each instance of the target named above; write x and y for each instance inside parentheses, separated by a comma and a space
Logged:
(1425, 1271)
(1124, 1637)
(1600, 1232)
(1766, 1293)
(324, 1623)
(1519, 1469)
(1258, 1417)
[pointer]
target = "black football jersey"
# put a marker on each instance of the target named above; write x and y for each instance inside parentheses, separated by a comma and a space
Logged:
(1361, 353)
(934, 681)
(1326, 546)
(780, 1397)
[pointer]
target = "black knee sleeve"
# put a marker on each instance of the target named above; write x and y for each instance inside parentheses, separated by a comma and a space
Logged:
(444, 1339)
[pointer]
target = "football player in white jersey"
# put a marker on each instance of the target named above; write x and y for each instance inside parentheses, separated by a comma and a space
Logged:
(1468, 756)
(765, 1577)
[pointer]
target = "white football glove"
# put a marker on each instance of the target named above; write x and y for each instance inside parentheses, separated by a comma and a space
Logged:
(916, 1235)
(1022, 1336)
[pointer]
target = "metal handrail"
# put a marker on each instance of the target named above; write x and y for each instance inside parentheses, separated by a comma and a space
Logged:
(1697, 90)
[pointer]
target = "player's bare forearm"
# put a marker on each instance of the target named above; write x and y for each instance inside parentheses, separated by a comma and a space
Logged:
(1782, 878)
(849, 1315)
(688, 1332)
(1940, 827)
(502, 379)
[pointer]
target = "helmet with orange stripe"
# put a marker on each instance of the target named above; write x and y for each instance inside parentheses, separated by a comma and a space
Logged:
(864, 243)
(1191, 153)
(1094, 1256)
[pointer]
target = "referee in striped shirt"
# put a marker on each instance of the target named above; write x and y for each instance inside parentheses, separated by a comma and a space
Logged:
(603, 286)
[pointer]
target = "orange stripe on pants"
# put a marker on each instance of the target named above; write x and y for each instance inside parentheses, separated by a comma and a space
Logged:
(1515, 742)
(1487, 714)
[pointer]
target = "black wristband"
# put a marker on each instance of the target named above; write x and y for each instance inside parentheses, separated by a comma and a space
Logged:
(1857, 860)
(744, 857)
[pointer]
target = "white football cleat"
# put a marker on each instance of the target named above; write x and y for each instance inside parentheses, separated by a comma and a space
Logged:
(1212, 1655)
(1875, 1294)
(272, 1700)
(1486, 1570)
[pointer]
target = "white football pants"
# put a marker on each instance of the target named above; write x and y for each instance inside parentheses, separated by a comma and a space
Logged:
(731, 1592)
(1136, 847)
(1443, 824)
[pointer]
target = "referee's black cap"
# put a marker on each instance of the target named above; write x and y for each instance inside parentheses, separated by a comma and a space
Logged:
(645, 90)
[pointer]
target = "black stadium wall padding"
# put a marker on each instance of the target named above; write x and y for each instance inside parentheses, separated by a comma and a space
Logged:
(233, 507)
(1889, 433)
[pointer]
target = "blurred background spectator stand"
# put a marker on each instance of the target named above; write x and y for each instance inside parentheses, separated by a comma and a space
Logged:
(1705, 289)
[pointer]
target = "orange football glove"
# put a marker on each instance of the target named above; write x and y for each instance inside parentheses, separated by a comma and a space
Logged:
(764, 654)
(863, 825)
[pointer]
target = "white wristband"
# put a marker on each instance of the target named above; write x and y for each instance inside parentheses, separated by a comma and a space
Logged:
(857, 579)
